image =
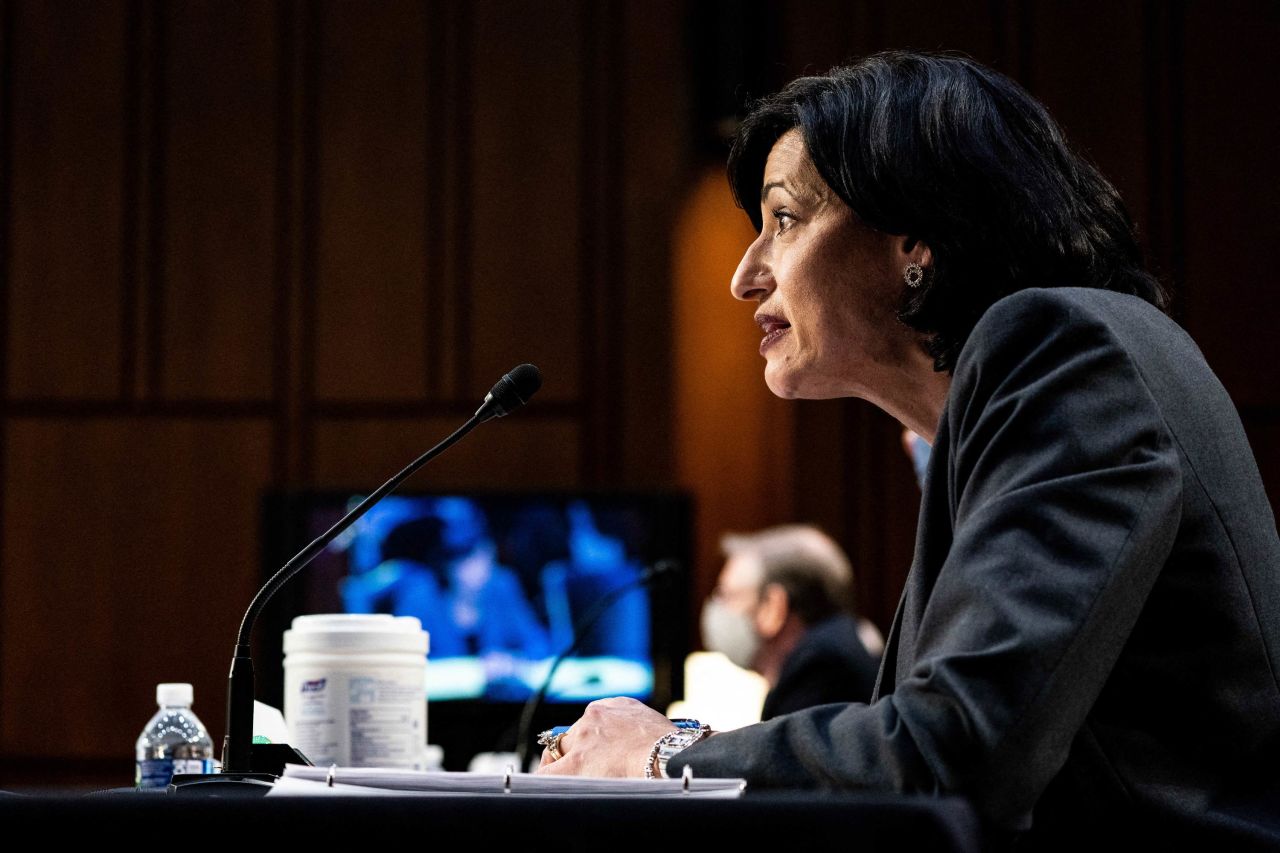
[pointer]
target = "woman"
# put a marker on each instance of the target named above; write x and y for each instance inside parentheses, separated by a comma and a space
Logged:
(1089, 629)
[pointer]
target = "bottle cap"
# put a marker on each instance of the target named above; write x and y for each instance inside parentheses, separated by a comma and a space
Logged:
(174, 694)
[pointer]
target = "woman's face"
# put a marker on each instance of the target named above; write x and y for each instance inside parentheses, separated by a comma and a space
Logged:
(827, 287)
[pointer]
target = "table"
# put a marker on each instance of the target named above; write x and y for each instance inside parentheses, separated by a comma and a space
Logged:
(785, 821)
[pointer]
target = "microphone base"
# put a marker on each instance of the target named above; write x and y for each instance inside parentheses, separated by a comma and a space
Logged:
(267, 765)
(222, 784)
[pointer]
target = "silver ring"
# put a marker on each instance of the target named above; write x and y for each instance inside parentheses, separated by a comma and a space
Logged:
(552, 743)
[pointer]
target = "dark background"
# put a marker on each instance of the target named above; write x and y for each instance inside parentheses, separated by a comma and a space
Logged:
(261, 245)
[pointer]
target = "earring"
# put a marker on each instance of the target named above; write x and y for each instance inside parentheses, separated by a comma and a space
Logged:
(914, 275)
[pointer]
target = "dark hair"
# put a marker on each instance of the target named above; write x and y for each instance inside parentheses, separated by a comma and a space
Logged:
(417, 539)
(809, 566)
(946, 151)
(809, 596)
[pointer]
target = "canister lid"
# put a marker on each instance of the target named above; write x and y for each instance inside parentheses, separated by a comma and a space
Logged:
(367, 633)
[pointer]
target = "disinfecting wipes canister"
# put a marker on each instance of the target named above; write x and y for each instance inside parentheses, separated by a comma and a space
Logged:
(355, 689)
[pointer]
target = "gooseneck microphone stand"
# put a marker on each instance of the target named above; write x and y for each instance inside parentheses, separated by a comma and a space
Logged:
(249, 768)
(581, 631)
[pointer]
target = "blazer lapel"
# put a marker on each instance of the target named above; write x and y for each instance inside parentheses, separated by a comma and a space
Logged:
(934, 531)
(886, 678)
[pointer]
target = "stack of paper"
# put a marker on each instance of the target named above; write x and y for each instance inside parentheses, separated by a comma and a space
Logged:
(372, 781)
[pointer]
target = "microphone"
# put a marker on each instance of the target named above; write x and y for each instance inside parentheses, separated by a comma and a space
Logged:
(581, 630)
(254, 767)
(512, 391)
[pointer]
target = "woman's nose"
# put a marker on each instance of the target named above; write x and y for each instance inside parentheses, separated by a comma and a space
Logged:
(752, 281)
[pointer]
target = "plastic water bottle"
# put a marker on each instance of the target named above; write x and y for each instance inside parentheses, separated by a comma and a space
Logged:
(174, 741)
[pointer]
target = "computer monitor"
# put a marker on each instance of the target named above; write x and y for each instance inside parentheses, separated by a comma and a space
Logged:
(499, 581)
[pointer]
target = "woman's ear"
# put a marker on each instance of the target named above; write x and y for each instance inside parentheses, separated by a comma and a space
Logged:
(912, 250)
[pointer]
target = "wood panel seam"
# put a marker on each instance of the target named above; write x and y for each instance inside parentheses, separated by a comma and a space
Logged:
(158, 126)
(7, 16)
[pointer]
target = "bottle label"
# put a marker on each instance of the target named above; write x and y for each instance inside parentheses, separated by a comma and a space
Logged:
(357, 719)
(157, 773)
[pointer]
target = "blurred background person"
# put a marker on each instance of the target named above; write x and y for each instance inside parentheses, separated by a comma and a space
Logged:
(782, 607)
(442, 566)
(488, 606)
(403, 582)
(597, 565)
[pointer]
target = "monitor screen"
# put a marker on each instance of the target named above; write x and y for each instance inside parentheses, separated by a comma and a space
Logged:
(501, 583)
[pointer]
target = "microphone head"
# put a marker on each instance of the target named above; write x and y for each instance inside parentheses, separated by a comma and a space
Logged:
(511, 392)
(525, 381)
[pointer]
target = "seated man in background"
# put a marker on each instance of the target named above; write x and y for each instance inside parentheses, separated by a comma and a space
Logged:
(783, 608)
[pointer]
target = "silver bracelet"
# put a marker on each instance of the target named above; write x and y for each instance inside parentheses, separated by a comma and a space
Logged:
(668, 745)
(653, 755)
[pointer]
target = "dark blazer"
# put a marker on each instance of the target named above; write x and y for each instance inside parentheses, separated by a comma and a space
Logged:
(1090, 630)
(829, 664)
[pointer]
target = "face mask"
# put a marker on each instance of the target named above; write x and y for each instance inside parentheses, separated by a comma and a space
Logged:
(729, 632)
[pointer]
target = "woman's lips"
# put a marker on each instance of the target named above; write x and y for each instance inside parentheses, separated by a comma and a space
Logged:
(774, 328)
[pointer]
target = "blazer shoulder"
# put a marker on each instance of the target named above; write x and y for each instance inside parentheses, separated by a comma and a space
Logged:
(1025, 320)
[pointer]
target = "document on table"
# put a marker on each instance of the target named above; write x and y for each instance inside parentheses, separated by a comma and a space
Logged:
(299, 780)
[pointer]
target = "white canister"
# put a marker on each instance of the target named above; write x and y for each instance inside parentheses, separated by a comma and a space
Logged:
(355, 689)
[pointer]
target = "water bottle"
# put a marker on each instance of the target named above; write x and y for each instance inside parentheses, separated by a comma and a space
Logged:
(174, 741)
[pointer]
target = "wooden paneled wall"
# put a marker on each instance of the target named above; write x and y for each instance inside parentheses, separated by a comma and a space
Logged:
(250, 244)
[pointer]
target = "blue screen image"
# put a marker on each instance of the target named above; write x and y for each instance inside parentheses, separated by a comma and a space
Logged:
(499, 586)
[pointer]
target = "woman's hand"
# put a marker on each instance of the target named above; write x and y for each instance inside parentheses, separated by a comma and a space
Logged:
(613, 738)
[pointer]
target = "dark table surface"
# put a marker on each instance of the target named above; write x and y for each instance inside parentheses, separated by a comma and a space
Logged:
(784, 821)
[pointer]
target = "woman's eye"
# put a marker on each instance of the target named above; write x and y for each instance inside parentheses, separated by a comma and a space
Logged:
(784, 219)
